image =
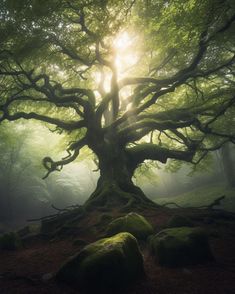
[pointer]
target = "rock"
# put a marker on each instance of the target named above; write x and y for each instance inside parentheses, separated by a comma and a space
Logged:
(10, 241)
(132, 223)
(179, 221)
(109, 262)
(181, 246)
(48, 277)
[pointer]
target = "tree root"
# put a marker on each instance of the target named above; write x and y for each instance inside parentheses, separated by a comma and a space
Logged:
(112, 196)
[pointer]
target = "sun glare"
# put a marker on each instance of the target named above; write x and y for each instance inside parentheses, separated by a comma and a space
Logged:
(125, 55)
(122, 41)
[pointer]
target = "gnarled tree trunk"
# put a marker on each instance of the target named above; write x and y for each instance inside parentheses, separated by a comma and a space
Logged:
(115, 186)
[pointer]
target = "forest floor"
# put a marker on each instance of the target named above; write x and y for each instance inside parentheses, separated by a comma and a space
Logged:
(24, 271)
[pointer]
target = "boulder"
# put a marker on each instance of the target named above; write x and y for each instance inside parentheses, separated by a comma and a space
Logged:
(132, 223)
(109, 262)
(179, 221)
(180, 246)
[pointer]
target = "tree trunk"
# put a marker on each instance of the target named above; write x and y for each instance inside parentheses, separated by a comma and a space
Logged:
(228, 164)
(115, 186)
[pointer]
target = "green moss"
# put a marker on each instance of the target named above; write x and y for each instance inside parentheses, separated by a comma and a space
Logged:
(181, 246)
(133, 223)
(179, 221)
(10, 241)
(109, 262)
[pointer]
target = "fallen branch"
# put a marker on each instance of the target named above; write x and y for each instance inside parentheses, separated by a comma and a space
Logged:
(67, 208)
(43, 218)
(216, 202)
(61, 211)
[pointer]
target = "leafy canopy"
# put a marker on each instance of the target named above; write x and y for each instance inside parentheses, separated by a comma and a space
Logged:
(155, 78)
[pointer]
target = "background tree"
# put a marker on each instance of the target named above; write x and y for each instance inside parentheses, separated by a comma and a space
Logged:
(11, 171)
(23, 193)
(227, 157)
(132, 80)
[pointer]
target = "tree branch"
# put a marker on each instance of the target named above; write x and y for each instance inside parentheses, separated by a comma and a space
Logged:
(52, 166)
(146, 151)
(32, 115)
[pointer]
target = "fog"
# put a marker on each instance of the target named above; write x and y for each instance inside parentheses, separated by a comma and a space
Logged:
(25, 195)
(23, 192)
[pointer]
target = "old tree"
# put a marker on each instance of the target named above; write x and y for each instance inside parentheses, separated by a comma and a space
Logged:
(133, 81)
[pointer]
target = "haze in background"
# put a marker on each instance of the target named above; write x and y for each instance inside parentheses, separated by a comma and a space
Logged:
(25, 195)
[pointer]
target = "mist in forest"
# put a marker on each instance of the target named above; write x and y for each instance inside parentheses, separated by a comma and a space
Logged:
(24, 194)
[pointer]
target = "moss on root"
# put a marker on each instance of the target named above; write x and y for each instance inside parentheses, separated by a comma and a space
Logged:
(110, 195)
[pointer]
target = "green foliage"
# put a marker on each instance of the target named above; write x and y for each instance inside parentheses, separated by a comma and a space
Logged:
(173, 86)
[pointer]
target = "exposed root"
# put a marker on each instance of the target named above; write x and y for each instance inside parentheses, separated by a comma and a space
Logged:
(110, 195)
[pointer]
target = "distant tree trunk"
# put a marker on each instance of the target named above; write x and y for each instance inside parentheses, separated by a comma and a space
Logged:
(228, 164)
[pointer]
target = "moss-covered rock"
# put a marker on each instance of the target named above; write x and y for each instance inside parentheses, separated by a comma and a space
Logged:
(107, 263)
(132, 223)
(181, 246)
(179, 221)
(10, 241)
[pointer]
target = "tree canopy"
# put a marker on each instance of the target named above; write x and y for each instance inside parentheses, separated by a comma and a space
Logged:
(133, 80)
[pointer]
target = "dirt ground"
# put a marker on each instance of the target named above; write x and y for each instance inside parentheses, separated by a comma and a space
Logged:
(25, 270)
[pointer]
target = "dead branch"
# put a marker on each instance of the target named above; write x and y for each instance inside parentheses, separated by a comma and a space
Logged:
(216, 202)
